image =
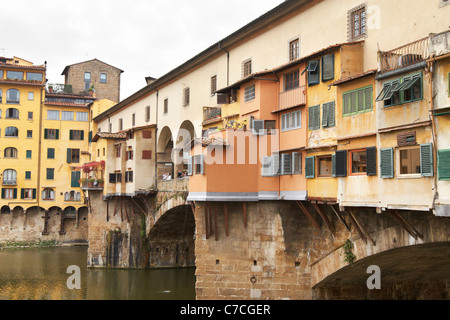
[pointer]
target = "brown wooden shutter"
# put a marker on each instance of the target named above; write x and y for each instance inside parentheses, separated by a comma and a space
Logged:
(406, 139)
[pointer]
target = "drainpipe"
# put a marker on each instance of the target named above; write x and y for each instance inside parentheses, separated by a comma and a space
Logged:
(156, 142)
(228, 63)
(433, 128)
(38, 190)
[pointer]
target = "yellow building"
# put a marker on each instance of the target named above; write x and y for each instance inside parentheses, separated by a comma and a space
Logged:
(21, 95)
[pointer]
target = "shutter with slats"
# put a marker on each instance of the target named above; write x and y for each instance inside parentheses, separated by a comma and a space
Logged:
(276, 166)
(387, 163)
(266, 166)
(34, 194)
(311, 118)
(190, 165)
(360, 100)
(3, 193)
(325, 115)
(353, 99)
(331, 114)
(286, 164)
(368, 96)
(112, 178)
(341, 163)
(202, 164)
(317, 117)
(346, 103)
(69, 155)
(333, 165)
(310, 167)
(426, 160)
(296, 163)
(444, 165)
(371, 161)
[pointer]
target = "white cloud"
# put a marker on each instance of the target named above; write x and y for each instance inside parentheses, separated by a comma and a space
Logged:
(141, 37)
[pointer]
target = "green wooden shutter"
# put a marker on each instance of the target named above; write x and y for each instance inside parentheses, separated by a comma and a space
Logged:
(317, 117)
(310, 167)
(331, 114)
(444, 165)
(371, 161)
(71, 135)
(34, 194)
(75, 179)
(311, 118)
(15, 193)
(82, 135)
(387, 163)
(333, 165)
(368, 96)
(346, 104)
(3, 193)
(353, 100)
(57, 134)
(426, 160)
(50, 153)
(325, 115)
(341, 163)
(45, 133)
(90, 136)
(22, 193)
(361, 100)
(69, 155)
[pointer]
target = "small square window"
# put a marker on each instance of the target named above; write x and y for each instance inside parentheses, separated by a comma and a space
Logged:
(246, 68)
(103, 77)
(30, 115)
(294, 50)
(358, 162)
(410, 161)
(250, 93)
(325, 166)
(31, 96)
(29, 133)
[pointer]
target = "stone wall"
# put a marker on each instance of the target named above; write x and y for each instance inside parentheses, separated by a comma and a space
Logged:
(21, 227)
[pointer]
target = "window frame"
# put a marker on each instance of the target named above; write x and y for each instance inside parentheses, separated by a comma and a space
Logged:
(103, 79)
(291, 80)
(322, 59)
(404, 83)
(358, 109)
(250, 93)
(294, 49)
(322, 157)
(49, 193)
(350, 162)
(314, 118)
(14, 99)
(292, 123)
(246, 68)
(313, 71)
(361, 13)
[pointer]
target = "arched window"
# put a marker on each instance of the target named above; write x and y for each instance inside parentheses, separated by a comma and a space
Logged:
(48, 194)
(1, 97)
(11, 132)
(72, 196)
(12, 113)
(11, 153)
(13, 96)
(9, 177)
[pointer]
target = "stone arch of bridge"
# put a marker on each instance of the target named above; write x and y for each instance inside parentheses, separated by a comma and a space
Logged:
(399, 256)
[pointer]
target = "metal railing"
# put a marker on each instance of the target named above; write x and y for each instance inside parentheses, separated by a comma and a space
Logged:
(59, 88)
(292, 98)
(10, 182)
(404, 56)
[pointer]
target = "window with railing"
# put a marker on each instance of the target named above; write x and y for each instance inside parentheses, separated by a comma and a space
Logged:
(9, 177)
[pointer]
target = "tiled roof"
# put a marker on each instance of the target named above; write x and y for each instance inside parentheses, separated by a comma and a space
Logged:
(109, 135)
(354, 77)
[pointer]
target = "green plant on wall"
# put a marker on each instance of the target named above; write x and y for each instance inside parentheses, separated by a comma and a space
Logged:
(349, 257)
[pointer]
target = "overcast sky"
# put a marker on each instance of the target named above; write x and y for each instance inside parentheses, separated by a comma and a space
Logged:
(141, 37)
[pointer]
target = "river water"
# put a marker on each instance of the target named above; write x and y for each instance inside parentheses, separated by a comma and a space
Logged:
(41, 274)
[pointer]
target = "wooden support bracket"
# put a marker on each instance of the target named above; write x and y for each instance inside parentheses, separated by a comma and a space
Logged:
(143, 211)
(360, 228)
(115, 206)
(325, 218)
(341, 218)
(308, 214)
(406, 225)
(126, 210)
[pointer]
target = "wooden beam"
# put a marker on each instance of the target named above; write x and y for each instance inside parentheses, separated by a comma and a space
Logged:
(341, 218)
(126, 210)
(325, 218)
(192, 207)
(308, 214)
(358, 229)
(244, 211)
(361, 226)
(143, 211)
(406, 225)
(115, 206)
(226, 219)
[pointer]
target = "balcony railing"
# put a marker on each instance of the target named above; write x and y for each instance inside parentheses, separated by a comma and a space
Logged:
(211, 113)
(292, 98)
(404, 56)
(59, 88)
(9, 182)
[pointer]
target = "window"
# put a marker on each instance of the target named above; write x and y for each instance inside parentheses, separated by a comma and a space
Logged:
(75, 179)
(328, 115)
(358, 162)
(12, 113)
(286, 164)
(328, 67)
(13, 96)
(357, 23)
(166, 106)
(357, 101)
(291, 80)
(213, 84)
(133, 119)
(196, 165)
(444, 165)
(51, 134)
(129, 176)
(310, 169)
(27, 175)
(31, 96)
(296, 163)
(147, 113)
(313, 72)
(11, 132)
(52, 115)
(29, 154)
(115, 177)
(294, 49)
(9, 194)
(324, 163)
(103, 77)
(33, 76)
(11, 153)
(130, 154)
(186, 97)
(29, 134)
(314, 117)
(83, 116)
(410, 161)
(50, 153)
(72, 196)
(246, 68)
(77, 135)
(1, 96)
(14, 75)
(50, 174)
(30, 115)
(73, 155)
(9, 177)
(403, 90)
(146, 134)
(118, 151)
(250, 93)
(291, 121)
(48, 194)
(120, 124)
(87, 80)
(67, 115)
(28, 194)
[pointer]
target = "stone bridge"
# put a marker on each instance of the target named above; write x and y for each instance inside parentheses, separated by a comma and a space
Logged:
(275, 249)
